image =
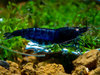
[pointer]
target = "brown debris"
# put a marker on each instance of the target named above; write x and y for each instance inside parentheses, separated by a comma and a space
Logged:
(29, 59)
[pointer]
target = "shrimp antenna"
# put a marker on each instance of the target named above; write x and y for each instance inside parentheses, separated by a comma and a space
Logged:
(20, 52)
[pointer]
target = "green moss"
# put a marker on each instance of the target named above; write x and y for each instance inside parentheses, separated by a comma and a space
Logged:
(49, 14)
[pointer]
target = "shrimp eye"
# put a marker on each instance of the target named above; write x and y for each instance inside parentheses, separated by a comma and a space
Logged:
(77, 29)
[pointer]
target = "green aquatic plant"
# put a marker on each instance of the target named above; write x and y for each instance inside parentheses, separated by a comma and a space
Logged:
(49, 14)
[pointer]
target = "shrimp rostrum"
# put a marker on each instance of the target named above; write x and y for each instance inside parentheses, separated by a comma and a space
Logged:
(43, 36)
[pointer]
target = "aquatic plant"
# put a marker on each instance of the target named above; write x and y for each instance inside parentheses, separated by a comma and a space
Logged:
(49, 14)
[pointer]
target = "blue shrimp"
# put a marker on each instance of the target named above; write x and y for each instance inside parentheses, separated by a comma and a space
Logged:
(48, 36)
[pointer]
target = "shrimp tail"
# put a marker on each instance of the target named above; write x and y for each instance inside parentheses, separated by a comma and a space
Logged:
(8, 35)
(13, 34)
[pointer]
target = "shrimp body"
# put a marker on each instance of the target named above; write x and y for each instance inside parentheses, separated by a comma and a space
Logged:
(48, 36)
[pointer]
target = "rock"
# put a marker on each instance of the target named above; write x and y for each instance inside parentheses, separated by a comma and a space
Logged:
(4, 71)
(14, 71)
(80, 70)
(28, 69)
(13, 64)
(98, 61)
(95, 72)
(43, 68)
(62, 73)
(88, 59)
(4, 64)
(33, 66)
(42, 64)
(14, 68)
(50, 69)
